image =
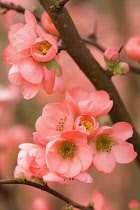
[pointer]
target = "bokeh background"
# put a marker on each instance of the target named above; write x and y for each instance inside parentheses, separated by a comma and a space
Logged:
(113, 22)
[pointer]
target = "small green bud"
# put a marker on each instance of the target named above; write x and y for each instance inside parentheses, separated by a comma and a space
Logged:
(20, 177)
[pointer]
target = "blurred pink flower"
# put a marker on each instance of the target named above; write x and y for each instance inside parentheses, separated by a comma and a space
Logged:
(109, 146)
(48, 24)
(134, 205)
(95, 103)
(132, 48)
(100, 203)
(40, 203)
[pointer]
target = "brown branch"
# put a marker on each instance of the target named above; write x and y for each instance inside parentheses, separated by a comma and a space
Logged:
(77, 49)
(16, 8)
(88, 41)
(46, 188)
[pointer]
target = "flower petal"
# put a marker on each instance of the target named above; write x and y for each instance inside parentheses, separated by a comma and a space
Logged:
(29, 90)
(121, 131)
(104, 162)
(31, 70)
(124, 153)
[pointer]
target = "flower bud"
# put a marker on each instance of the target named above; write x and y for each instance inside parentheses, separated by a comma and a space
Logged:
(122, 68)
(134, 205)
(19, 176)
(111, 57)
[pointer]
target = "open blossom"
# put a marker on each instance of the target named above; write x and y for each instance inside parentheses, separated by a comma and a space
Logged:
(43, 47)
(95, 103)
(28, 55)
(109, 146)
(132, 48)
(86, 124)
(69, 154)
(56, 119)
(31, 161)
(48, 24)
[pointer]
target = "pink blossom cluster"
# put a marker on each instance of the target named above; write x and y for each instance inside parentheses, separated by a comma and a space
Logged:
(69, 141)
(32, 53)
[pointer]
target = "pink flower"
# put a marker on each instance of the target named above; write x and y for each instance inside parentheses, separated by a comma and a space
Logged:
(20, 43)
(56, 119)
(44, 48)
(95, 103)
(134, 204)
(110, 146)
(86, 124)
(132, 48)
(31, 75)
(40, 203)
(31, 161)
(69, 154)
(48, 24)
(99, 202)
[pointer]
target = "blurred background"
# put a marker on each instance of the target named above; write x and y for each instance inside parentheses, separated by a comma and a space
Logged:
(113, 22)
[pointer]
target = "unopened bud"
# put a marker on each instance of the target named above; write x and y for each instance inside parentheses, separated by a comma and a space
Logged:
(19, 176)
(122, 68)
(4, 11)
(37, 180)
(111, 57)
(134, 205)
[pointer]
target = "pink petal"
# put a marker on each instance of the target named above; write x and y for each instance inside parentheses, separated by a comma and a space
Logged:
(49, 80)
(13, 29)
(124, 153)
(85, 154)
(53, 177)
(30, 20)
(84, 177)
(31, 70)
(12, 56)
(14, 75)
(29, 90)
(121, 131)
(104, 162)
(59, 85)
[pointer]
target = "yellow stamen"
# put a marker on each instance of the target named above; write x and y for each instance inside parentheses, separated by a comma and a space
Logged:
(66, 149)
(45, 47)
(104, 143)
(88, 125)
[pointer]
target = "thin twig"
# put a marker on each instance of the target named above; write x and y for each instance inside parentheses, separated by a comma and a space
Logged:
(16, 8)
(49, 190)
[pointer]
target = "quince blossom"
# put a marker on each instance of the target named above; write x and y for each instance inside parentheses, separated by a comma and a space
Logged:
(95, 103)
(31, 161)
(109, 146)
(29, 50)
(56, 118)
(68, 154)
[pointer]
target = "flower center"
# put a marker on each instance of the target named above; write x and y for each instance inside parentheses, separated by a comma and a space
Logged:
(103, 143)
(45, 47)
(60, 125)
(66, 149)
(88, 125)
